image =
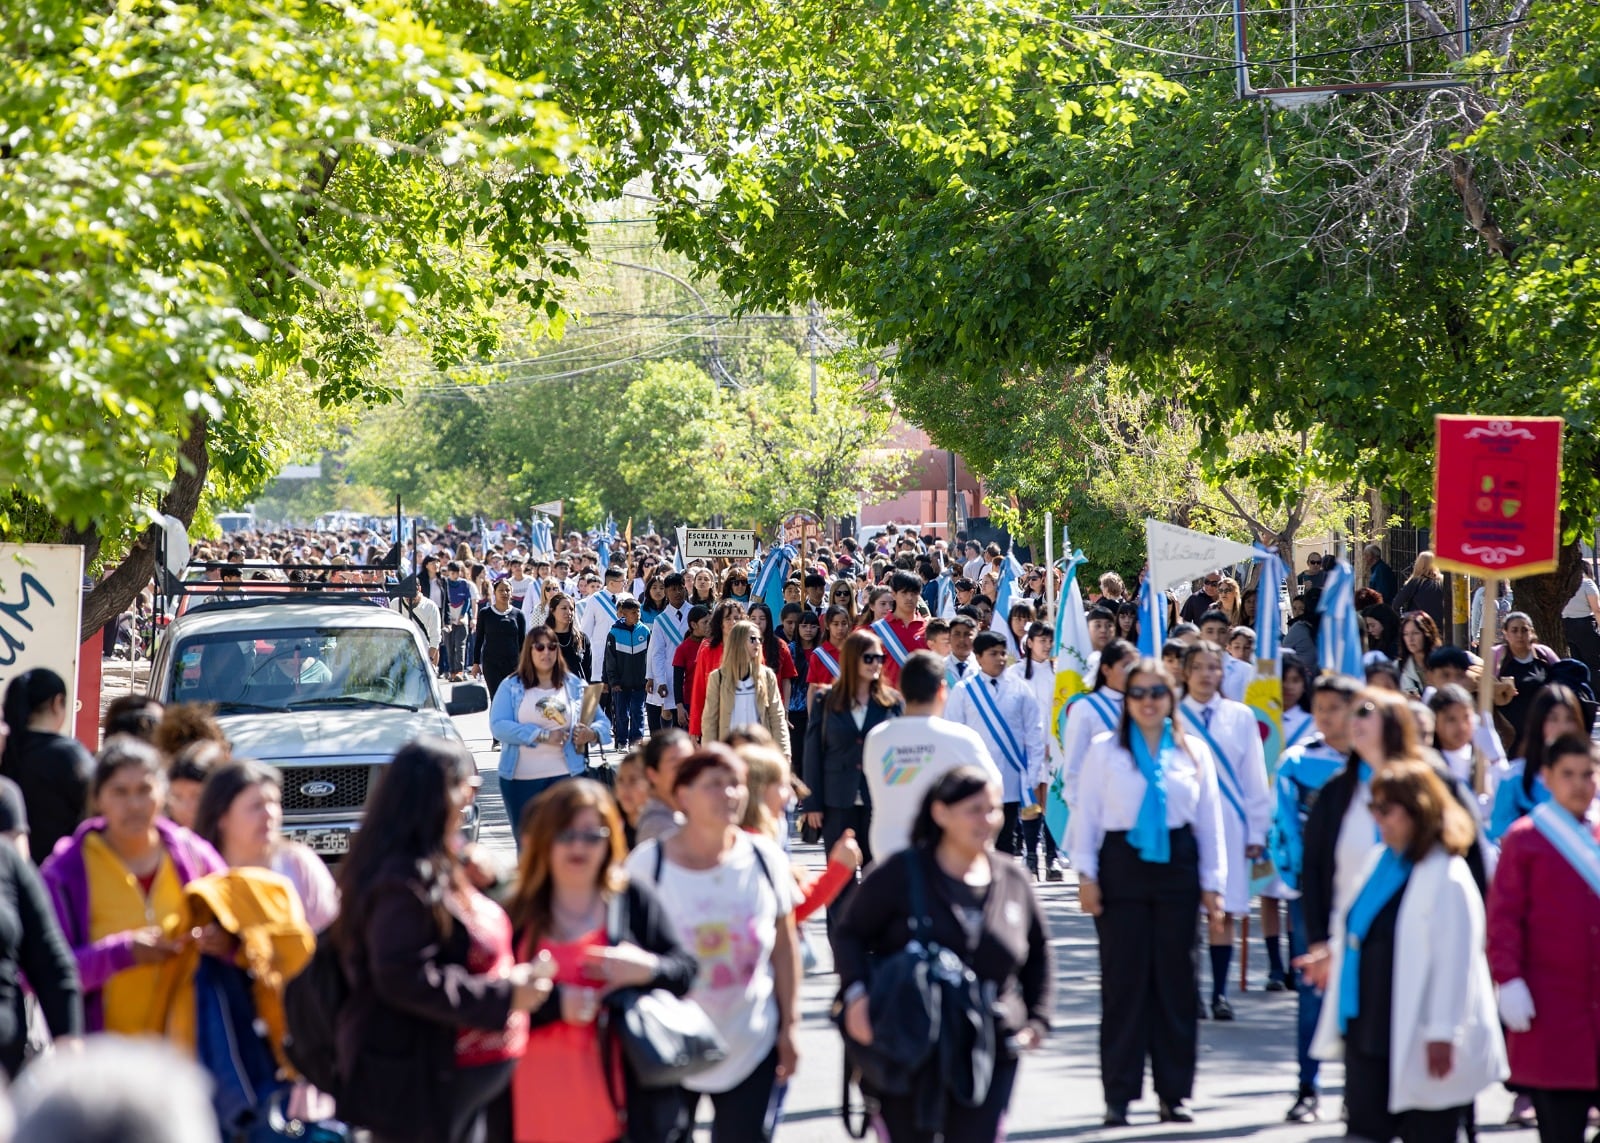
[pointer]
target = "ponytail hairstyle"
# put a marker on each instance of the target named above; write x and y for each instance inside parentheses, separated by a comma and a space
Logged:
(26, 695)
(1035, 629)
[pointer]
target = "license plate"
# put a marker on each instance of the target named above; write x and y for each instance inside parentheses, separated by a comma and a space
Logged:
(323, 841)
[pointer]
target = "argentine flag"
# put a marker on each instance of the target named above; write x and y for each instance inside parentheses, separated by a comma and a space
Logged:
(1007, 591)
(1152, 620)
(1339, 636)
(1072, 651)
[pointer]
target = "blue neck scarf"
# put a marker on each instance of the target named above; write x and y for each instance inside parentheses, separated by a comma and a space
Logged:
(1365, 773)
(1149, 834)
(1387, 881)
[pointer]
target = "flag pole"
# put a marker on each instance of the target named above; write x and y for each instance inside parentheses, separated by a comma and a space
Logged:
(1050, 567)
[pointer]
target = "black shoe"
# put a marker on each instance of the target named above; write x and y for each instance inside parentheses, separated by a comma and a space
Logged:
(1116, 1115)
(1221, 1009)
(1276, 983)
(1175, 1113)
(1200, 1010)
(1306, 1109)
(1054, 874)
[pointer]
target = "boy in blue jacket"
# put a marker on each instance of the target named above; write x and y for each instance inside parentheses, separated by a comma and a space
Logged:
(624, 670)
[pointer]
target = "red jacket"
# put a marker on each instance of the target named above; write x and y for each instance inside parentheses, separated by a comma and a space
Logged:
(1544, 927)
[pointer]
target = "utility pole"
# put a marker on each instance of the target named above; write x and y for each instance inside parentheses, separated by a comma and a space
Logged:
(951, 494)
(813, 333)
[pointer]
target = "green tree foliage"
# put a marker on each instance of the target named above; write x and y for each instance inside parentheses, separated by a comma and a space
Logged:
(206, 200)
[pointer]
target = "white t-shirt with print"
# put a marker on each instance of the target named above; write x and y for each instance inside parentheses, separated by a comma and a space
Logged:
(902, 758)
(727, 917)
(548, 709)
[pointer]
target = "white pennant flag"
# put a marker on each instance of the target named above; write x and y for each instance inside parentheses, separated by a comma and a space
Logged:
(1181, 554)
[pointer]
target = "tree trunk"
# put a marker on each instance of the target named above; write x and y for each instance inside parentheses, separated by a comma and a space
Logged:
(118, 588)
(1543, 596)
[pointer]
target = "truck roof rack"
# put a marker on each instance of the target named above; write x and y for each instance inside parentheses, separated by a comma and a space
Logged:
(216, 594)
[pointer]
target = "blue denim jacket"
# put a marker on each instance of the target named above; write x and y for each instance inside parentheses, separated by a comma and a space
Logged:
(503, 725)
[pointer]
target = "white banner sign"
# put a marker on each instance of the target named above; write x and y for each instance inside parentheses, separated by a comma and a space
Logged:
(1178, 555)
(710, 544)
(41, 606)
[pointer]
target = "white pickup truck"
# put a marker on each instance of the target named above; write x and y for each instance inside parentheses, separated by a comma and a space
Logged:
(326, 691)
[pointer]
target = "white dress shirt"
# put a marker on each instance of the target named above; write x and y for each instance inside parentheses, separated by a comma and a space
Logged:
(1019, 710)
(1236, 676)
(1111, 792)
(658, 658)
(1233, 728)
(1085, 723)
(595, 623)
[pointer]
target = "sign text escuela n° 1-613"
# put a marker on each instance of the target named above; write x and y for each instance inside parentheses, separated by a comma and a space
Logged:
(709, 543)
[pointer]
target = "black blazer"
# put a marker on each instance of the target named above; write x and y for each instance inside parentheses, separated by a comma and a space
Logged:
(410, 992)
(1322, 838)
(31, 942)
(832, 766)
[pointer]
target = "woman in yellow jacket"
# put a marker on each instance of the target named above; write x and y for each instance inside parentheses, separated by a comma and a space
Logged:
(744, 691)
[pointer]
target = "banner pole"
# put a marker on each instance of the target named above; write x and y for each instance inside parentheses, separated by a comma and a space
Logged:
(1049, 568)
(1486, 679)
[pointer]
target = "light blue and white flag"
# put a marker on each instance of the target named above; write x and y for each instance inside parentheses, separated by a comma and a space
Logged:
(1339, 636)
(947, 594)
(1152, 619)
(1006, 591)
(768, 582)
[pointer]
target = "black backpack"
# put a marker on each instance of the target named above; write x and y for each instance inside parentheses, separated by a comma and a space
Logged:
(311, 1005)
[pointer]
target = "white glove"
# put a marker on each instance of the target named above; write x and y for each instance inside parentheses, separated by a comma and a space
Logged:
(1516, 1005)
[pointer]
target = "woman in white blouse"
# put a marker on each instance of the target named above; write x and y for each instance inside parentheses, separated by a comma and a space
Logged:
(1148, 851)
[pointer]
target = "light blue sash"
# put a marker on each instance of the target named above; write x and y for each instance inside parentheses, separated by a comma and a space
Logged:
(673, 632)
(1572, 840)
(1227, 778)
(1388, 878)
(1010, 749)
(1104, 707)
(891, 642)
(829, 663)
(607, 604)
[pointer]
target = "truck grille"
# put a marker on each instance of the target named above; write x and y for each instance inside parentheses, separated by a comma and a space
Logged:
(349, 787)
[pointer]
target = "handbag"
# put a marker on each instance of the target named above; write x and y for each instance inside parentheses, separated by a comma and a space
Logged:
(665, 1038)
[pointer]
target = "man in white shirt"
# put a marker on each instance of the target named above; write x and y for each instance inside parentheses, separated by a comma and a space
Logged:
(424, 613)
(596, 614)
(1003, 711)
(905, 756)
(666, 634)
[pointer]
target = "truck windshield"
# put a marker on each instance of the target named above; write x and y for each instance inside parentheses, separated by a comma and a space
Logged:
(280, 670)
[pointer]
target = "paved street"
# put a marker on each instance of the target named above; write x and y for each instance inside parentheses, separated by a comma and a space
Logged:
(1247, 1070)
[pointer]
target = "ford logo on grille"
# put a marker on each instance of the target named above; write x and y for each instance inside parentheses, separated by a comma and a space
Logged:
(318, 789)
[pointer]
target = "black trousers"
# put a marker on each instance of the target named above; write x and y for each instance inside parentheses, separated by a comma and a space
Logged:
(743, 1113)
(1148, 999)
(1563, 1115)
(834, 822)
(1366, 1099)
(979, 1124)
(1583, 641)
(1010, 839)
(797, 735)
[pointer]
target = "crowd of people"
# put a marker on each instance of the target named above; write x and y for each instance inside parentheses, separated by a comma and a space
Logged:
(896, 702)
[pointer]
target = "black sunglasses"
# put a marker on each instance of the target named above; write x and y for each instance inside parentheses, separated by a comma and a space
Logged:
(583, 836)
(871, 657)
(1157, 691)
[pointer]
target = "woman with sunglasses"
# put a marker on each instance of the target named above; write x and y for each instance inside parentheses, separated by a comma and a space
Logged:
(574, 904)
(730, 898)
(1408, 1001)
(1148, 847)
(744, 691)
(843, 595)
(1339, 836)
(535, 717)
(840, 718)
(709, 658)
(736, 585)
(437, 1012)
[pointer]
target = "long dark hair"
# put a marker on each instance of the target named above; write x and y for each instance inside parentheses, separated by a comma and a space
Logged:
(1034, 629)
(1111, 654)
(1291, 662)
(723, 608)
(1532, 741)
(26, 695)
(528, 672)
(952, 788)
(841, 696)
(770, 655)
(409, 811)
(223, 786)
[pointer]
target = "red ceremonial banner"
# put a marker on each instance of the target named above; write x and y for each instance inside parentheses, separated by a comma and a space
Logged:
(1497, 495)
